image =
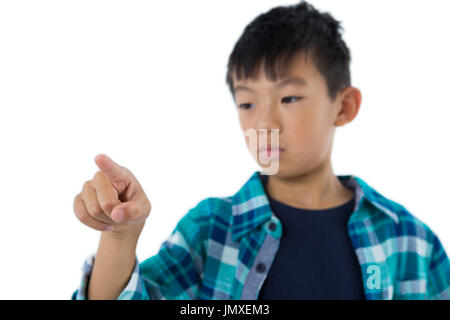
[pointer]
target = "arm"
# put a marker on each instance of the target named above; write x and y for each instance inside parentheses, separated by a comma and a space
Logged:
(438, 284)
(114, 203)
(113, 266)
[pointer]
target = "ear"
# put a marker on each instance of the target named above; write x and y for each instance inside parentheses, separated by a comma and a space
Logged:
(349, 101)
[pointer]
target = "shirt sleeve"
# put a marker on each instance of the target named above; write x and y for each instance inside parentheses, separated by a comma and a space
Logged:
(134, 289)
(174, 273)
(438, 284)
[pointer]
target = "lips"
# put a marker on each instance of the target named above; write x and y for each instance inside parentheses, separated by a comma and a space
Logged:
(270, 148)
(271, 152)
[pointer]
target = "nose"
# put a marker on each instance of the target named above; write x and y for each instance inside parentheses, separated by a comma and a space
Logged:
(269, 127)
(269, 121)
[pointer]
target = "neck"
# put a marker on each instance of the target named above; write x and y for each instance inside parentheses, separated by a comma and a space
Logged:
(316, 190)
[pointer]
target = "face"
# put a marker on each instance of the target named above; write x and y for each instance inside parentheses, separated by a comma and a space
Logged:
(301, 110)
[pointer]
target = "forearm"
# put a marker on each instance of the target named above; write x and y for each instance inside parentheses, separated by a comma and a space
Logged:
(113, 266)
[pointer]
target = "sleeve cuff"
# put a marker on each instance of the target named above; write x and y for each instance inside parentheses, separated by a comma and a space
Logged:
(132, 291)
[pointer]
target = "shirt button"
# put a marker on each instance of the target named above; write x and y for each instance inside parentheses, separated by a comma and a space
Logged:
(272, 226)
(260, 267)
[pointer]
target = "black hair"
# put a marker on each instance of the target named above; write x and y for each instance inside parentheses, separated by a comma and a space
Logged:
(277, 35)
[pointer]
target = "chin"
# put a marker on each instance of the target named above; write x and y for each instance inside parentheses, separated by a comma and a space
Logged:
(283, 172)
(274, 170)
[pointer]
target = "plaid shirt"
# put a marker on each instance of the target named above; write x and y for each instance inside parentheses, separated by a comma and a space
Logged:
(223, 249)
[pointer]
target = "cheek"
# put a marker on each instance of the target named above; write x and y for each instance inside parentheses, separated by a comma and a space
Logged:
(250, 135)
(307, 132)
(301, 129)
(244, 122)
(244, 127)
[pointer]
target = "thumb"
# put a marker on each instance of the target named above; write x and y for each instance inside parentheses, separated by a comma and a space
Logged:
(133, 211)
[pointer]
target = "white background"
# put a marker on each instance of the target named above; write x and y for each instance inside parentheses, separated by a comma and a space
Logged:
(144, 82)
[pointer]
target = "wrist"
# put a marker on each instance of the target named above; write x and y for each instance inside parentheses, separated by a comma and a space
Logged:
(127, 233)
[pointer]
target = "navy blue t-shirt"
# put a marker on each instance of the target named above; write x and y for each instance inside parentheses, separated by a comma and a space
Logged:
(315, 259)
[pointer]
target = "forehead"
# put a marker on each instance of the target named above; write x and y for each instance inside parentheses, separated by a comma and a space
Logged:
(300, 67)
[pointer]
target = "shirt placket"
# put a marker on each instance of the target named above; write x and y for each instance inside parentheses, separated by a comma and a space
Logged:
(263, 260)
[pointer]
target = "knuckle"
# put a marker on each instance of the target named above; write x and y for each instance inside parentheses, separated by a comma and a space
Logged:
(128, 172)
(94, 211)
(108, 205)
(83, 217)
(98, 175)
(78, 206)
(86, 185)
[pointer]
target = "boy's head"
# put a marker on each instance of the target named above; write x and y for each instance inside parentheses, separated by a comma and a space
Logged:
(294, 41)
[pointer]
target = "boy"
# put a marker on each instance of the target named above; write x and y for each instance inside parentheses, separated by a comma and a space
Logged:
(299, 233)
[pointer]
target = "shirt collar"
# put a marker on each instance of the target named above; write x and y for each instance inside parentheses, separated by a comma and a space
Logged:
(250, 205)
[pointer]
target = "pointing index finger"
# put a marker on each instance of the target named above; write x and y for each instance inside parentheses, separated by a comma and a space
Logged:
(111, 169)
(118, 175)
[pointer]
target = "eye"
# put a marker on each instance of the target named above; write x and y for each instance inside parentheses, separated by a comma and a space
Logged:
(245, 106)
(299, 98)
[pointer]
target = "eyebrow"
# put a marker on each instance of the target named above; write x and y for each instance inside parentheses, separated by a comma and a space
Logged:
(291, 80)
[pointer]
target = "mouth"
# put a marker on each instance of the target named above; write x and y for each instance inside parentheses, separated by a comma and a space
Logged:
(271, 152)
(270, 147)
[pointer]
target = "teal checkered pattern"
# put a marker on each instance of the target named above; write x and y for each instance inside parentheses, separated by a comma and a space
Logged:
(214, 249)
